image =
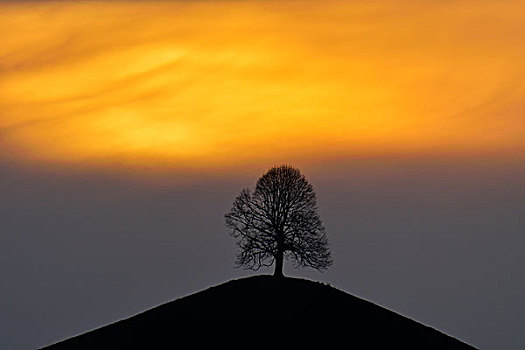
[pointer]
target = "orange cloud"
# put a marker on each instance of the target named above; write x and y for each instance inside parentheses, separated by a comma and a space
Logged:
(218, 83)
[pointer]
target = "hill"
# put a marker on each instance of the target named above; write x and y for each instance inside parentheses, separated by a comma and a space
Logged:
(264, 311)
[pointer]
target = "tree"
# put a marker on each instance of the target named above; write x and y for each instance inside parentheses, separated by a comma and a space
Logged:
(279, 220)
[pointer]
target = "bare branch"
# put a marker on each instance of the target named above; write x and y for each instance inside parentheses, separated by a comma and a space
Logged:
(279, 219)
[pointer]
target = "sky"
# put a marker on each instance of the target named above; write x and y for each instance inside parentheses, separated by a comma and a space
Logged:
(128, 128)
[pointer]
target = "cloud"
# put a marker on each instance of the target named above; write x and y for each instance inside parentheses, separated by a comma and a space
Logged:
(216, 84)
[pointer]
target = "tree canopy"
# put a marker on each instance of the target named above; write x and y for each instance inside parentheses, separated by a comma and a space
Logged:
(279, 221)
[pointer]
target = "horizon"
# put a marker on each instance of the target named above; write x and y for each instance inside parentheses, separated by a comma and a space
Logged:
(127, 128)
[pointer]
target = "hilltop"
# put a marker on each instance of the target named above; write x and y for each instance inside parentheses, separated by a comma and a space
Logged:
(266, 311)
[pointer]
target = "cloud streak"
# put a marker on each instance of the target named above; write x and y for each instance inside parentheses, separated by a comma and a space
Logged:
(214, 84)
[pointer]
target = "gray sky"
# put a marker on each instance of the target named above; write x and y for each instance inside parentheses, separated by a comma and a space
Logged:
(440, 241)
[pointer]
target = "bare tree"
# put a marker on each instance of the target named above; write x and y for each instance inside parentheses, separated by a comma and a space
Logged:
(279, 220)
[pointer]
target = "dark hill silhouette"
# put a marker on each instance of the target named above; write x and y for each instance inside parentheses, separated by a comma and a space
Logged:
(266, 311)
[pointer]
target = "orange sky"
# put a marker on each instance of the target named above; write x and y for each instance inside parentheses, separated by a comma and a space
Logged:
(216, 84)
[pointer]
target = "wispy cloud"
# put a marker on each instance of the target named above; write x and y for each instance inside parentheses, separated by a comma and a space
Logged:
(217, 83)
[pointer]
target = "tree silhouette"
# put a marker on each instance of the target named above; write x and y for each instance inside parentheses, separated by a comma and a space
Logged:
(279, 220)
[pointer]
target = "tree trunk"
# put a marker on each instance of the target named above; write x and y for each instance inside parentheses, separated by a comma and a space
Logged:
(279, 259)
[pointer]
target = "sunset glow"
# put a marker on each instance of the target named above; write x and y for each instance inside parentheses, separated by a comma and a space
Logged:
(219, 83)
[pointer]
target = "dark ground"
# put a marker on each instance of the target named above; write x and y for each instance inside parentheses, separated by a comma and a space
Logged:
(264, 311)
